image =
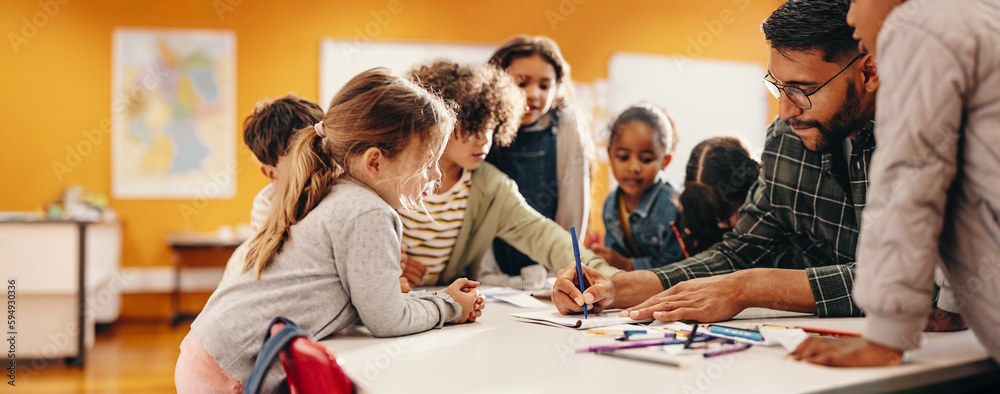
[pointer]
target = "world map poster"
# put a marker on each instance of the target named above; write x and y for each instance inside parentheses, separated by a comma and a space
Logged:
(173, 114)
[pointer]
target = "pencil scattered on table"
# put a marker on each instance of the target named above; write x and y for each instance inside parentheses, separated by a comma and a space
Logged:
(639, 357)
(694, 331)
(727, 350)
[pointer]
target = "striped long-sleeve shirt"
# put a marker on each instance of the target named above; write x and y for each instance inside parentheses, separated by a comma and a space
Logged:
(431, 242)
(796, 203)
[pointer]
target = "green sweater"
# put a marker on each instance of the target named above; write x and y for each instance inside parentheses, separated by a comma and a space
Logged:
(497, 210)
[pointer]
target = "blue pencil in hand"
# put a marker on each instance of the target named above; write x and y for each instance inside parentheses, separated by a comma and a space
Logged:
(579, 269)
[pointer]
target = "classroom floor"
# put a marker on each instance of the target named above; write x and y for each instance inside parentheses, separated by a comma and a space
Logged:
(127, 357)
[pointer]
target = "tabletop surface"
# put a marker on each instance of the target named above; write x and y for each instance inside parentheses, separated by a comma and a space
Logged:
(200, 240)
(496, 354)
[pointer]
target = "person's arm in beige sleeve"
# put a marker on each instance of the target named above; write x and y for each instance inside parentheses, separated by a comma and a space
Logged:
(538, 237)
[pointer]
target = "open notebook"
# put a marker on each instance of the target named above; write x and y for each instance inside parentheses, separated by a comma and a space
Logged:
(554, 318)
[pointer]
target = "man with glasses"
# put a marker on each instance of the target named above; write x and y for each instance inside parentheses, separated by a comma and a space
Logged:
(794, 245)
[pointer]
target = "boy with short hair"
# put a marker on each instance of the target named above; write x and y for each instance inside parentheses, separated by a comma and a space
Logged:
(268, 131)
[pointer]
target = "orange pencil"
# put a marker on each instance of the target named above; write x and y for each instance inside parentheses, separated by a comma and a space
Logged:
(832, 332)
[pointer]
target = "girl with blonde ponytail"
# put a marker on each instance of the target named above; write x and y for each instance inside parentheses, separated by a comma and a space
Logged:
(328, 254)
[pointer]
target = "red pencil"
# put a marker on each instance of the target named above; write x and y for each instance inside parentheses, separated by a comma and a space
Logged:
(680, 240)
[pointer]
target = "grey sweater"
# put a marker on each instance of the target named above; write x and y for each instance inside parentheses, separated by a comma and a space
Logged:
(339, 264)
(934, 199)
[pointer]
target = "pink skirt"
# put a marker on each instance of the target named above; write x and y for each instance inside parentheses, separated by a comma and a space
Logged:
(198, 372)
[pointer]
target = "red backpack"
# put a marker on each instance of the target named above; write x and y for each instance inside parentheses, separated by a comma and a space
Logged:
(309, 366)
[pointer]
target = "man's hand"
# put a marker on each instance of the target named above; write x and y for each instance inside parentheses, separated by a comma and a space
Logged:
(846, 352)
(944, 321)
(413, 271)
(404, 285)
(614, 258)
(566, 294)
(712, 299)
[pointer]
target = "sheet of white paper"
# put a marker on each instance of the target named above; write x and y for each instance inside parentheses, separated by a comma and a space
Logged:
(544, 292)
(523, 300)
(494, 290)
(765, 313)
(788, 338)
(603, 319)
(516, 297)
(623, 327)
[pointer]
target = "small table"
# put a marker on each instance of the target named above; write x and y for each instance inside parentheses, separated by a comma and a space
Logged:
(181, 242)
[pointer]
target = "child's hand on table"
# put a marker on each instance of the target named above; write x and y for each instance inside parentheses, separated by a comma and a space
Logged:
(413, 271)
(614, 258)
(944, 321)
(846, 352)
(470, 287)
(464, 292)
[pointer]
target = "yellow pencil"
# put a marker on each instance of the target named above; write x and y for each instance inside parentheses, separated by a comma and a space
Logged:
(606, 332)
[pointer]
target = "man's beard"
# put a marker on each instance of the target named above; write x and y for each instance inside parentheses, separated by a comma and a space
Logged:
(844, 122)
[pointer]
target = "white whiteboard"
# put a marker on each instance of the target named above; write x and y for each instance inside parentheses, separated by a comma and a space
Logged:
(342, 59)
(706, 98)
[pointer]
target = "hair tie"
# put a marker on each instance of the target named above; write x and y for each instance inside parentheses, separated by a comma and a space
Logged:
(320, 131)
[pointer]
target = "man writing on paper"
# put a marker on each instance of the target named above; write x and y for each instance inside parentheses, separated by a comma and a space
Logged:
(793, 247)
(934, 193)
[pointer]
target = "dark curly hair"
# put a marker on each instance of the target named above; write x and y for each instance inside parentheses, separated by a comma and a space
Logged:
(488, 99)
(804, 25)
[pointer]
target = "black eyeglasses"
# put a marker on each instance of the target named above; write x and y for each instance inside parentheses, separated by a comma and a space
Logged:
(796, 95)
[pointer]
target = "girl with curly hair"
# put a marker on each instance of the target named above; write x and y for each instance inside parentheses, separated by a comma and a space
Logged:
(476, 202)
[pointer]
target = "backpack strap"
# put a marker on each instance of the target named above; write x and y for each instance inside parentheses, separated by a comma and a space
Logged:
(269, 351)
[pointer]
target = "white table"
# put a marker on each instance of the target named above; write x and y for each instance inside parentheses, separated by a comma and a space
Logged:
(498, 355)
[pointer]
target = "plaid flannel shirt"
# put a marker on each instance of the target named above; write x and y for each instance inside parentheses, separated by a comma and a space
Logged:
(796, 216)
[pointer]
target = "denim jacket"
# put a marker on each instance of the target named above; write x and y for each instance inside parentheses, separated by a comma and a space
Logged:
(650, 227)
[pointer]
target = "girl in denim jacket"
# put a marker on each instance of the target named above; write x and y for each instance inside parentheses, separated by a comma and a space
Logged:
(639, 214)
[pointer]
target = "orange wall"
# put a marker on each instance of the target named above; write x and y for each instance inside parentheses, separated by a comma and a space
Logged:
(59, 83)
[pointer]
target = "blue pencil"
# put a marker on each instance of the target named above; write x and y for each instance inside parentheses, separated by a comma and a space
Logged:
(736, 332)
(579, 269)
